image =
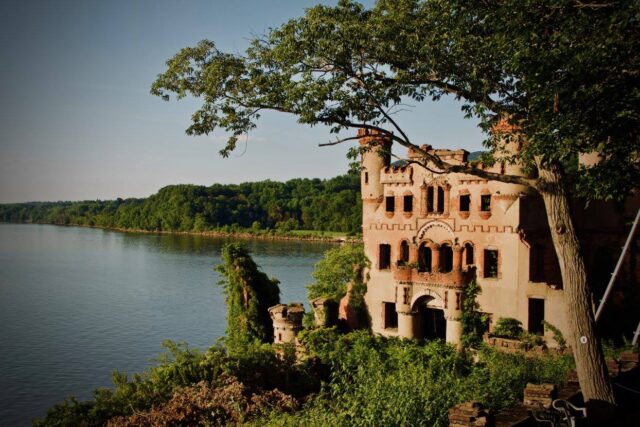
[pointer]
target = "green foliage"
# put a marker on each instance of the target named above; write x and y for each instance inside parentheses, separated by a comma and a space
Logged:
(474, 323)
(249, 293)
(565, 75)
(338, 267)
(529, 340)
(507, 327)
(378, 381)
(254, 207)
(557, 335)
(368, 380)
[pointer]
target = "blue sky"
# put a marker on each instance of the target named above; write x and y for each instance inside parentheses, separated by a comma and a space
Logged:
(77, 121)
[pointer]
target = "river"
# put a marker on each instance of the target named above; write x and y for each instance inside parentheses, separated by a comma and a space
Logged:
(78, 303)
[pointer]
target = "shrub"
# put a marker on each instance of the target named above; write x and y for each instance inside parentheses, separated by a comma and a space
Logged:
(507, 327)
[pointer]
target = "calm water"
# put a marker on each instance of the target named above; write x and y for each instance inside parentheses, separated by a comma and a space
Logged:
(76, 304)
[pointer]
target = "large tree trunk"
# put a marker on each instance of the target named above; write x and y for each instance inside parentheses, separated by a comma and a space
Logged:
(589, 358)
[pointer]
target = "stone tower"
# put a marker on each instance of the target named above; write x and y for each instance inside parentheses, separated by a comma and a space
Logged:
(373, 161)
(287, 322)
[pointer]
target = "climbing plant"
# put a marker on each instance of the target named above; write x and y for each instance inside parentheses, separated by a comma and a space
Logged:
(249, 293)
(474, 323)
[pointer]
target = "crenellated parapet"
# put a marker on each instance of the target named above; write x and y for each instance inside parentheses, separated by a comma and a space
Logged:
(397, 175)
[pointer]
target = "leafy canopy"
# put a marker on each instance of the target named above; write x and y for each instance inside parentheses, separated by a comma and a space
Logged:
(339, 266)
(564, 72)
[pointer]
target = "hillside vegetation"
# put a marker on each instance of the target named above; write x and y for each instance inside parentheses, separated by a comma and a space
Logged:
(310, 204)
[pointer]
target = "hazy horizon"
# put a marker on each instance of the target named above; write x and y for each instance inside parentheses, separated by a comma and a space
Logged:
(78, 123)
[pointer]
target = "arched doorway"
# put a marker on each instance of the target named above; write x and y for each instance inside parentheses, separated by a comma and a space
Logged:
(429, 320)
(424, 258)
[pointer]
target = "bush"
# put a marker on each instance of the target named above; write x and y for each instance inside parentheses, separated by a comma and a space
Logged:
(507, 327)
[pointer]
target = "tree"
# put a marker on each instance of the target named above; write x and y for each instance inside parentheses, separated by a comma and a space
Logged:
(249, 293)
(559, 77)
(339, 266)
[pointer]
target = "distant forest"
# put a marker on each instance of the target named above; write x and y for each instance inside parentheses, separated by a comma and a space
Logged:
(308, 204)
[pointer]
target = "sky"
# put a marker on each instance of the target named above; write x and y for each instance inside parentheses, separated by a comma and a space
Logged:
(77, 121)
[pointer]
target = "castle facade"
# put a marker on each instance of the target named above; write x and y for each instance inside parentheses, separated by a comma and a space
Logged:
(428, 234)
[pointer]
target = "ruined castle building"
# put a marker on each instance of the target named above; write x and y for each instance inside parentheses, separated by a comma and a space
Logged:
(428, 235)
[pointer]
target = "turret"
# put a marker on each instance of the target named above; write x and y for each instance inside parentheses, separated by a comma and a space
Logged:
(507, 149)
(376, 157)
(287, 322)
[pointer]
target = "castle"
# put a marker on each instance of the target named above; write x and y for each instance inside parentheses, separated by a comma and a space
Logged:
(429, 234)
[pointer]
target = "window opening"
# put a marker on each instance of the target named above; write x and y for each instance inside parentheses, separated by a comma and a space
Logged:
(490, 263)
(385, 257)
(440, 207)
(446, 258)
(391, 203)
(390, 316)
(366, 177)
(536, 316)
(408, 203)
(485, 203)
(424, 258)
(404, 253)
(468, 254)
(429, 199)
(465, 202)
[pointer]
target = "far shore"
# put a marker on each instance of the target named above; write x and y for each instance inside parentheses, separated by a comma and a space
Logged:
(312, 236)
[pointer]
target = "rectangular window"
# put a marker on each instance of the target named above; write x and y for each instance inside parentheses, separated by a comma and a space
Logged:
(385, 257)
(366, 177)
(390, 316)
(465, 202)
(485, 203)
(408, 203)
(429, 199)
(391, 203)
(490, 263)
(536, 316)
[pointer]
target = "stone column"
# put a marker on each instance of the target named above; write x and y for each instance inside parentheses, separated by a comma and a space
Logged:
(405, 325)
(435, 258)
(454, 330)
(413, 254)
(457, 257)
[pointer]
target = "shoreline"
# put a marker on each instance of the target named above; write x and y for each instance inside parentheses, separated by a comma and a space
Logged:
(211, 233)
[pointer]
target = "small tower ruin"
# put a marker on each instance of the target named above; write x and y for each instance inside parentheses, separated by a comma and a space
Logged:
(287, 322)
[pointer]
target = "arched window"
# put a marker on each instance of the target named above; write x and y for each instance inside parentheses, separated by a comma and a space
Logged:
(468, 254)
(424, 258)
(446, 258)
(404, 253)
(430, 201)
(440, 204)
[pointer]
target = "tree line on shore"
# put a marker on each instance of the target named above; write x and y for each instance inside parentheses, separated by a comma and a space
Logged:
(308, 204)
